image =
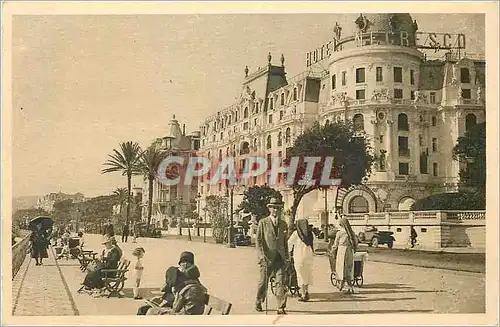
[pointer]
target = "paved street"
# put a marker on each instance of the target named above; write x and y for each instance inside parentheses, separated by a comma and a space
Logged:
(232, 274)
(41, 290)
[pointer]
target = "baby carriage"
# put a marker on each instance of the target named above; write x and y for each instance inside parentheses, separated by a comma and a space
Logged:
(359, 259)
(291, 282)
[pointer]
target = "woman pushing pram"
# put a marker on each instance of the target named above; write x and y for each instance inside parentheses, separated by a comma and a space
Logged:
(342, 255)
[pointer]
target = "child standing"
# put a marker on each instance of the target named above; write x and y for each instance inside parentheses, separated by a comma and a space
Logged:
(139, 268)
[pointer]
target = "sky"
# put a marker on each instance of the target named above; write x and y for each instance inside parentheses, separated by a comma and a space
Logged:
(83, 84)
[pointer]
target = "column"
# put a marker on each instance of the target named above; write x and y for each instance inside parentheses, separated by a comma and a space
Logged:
(389, 138)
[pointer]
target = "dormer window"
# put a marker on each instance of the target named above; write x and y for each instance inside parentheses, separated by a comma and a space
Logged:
(294, 94)
(271, 103)
(282, 99)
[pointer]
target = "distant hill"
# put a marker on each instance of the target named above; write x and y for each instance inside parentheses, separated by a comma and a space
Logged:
(23, 202)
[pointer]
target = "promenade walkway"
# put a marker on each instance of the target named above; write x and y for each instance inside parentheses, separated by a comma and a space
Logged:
(41, 290)
(232, 274)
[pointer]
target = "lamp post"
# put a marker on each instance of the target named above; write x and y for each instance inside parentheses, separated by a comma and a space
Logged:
(326, 215)
(198, 200)
(230, 194)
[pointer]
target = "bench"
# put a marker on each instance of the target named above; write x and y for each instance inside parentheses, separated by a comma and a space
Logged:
(114, 279)
(86, 257)
(212, 304)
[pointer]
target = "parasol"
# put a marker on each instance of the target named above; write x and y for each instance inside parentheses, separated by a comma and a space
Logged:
(46, 222)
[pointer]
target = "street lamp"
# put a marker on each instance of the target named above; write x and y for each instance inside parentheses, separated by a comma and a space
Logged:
(198, 200)
(230, 194)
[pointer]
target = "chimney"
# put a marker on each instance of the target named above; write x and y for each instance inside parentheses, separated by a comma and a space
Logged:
(183, 129)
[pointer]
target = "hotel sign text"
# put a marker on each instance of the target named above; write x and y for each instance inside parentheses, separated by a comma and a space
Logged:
(423, 40)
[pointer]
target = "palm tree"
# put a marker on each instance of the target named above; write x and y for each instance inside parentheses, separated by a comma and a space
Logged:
(149, 162)
(126, 160)
(121, 196)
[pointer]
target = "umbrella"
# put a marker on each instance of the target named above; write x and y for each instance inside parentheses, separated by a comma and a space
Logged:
(46, 222)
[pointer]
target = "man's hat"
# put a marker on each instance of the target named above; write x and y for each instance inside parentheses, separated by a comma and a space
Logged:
(107, 239)
(186, 257)
(275, 203)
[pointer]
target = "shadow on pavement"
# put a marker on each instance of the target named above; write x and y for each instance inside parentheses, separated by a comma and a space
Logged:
(359, 311)
(146, 293)
(387, 286)
(340, 297)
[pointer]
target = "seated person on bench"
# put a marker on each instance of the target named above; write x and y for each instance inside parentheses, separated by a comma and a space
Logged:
(110, 259)
(183, 292)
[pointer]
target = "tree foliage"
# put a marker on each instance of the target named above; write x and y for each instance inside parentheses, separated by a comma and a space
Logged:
(126, 161)
(19, 217)
(451, 201)
(256, 198)
(217, 209)
(470, 150)
(149, 162)
(350, 150)
(63, 210)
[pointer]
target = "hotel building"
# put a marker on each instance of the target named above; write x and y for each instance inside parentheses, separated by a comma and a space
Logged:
(412, 108)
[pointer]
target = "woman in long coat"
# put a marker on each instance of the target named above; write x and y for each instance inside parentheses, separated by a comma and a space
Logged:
(110, 259)
(39, 244)
(344, 246)
(301, 241)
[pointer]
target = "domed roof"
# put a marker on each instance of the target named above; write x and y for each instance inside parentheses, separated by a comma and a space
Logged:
(386, 23)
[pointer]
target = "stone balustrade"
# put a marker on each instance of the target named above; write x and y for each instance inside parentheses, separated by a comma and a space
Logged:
(436, 229)
(19, 251)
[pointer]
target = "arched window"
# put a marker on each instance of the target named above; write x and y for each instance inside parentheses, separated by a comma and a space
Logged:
(215, 126)
(280, 141)
(359, 123)
(470, 121)
(282, 99)
(208, 155)
(245, 148)
(288, 136)
(227, 151)
(271, 103)
(256, 107)
(268, 142)
(220, 154)
(358, 204)
(405, 204)
(255, 144)
(294, 93)
(245, 112)
(403, 122)
(327, 122)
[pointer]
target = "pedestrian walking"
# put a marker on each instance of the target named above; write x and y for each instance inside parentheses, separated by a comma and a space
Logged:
(343, 250)
(39, 243)
(138, 253)
(135, 232)
(125, 233)
(272, 249)
(413, 236)
(301, 244)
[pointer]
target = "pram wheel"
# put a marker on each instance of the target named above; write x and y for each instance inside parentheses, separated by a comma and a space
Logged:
(359, 281)
(294, 290)
(333, 279)
(273, 285)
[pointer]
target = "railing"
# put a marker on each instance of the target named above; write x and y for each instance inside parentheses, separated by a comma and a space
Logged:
(465, 215)
(468, 101)
(19, 251)
(437, 215)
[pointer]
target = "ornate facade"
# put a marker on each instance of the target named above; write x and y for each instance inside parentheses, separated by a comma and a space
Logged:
(412, 109)
(172, 202)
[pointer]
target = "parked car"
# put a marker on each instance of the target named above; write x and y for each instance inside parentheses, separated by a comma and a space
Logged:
(240, 237)
(373, 237)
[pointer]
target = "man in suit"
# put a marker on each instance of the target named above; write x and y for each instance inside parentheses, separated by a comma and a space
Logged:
(273, 255)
